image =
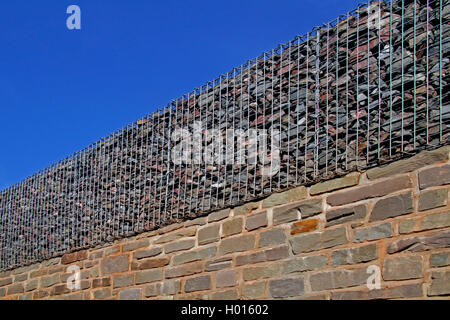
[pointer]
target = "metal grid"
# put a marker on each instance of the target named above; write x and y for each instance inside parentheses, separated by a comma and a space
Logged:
(366, 88)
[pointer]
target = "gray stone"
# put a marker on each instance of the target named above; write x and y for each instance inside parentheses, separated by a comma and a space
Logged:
(403, 268)
(431, 199)
(380, 231)
(284, 288)
(272, 237)
(435, 176)
(338, 279)
(416, 162)
(343, 215)
(256, 221)
(318, 240)
(355, 255)
(421, 243)
(392, 207)
(130, 294)
(114, 264)
(304, 264)
(440, 283)
(440, 259)
(198, 284)
(276, 199)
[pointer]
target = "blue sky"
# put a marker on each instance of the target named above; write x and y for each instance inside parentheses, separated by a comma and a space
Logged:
(61, 90)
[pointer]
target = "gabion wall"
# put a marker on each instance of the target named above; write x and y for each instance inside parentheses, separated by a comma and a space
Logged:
(364, 89)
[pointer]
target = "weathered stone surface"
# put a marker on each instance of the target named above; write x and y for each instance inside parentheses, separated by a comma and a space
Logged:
(268, 271)
(265, 255)
(152, 263)
(431, 199)
(304, 226)
(170, 287)
(219, 215)
(272, 237)
(276, 199)
(232, 227)
(184, 270)
(285, 214)
(318, 240)
(237, 244)
(327, 280)
(440, 259)
(378, 189)
(434, 221)
(196, 222)
(355, 255)
(135, 245)
(2, 292)
(254, 290)
(406, 226)
(290, 287)
(49, 281)
(40, 294)
(246, 208)
(123, 280)
(344, 215)
(26, 269)
(114, 264)
(225, 295)
(256, 221)
(226, 278)
(73, 257)
(149, 276)
(15, 288)
(111, 250)
(187, 232)
(380, 231)
(404, 291)
(59, 290)
(179, 245)
(130, 294)
(349, 180)
(304, 264)
(208, 234)
(421, 243)
(306, 209)
(31, 285)
(440, 283)
(408, 165)
(196, 255)
(392, 207)
(101, 294)
(219, 264)
(198, 284)
(6, 281)
(27, 296)
(141, 254)
(101, 282)
(403, 268)
(435, 176)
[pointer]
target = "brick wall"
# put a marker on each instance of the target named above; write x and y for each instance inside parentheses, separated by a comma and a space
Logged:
(314, 242)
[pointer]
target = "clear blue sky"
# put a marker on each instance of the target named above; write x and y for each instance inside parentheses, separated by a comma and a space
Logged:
(61, 90)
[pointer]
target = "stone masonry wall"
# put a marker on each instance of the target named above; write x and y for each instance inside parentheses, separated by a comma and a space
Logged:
(314, 242)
